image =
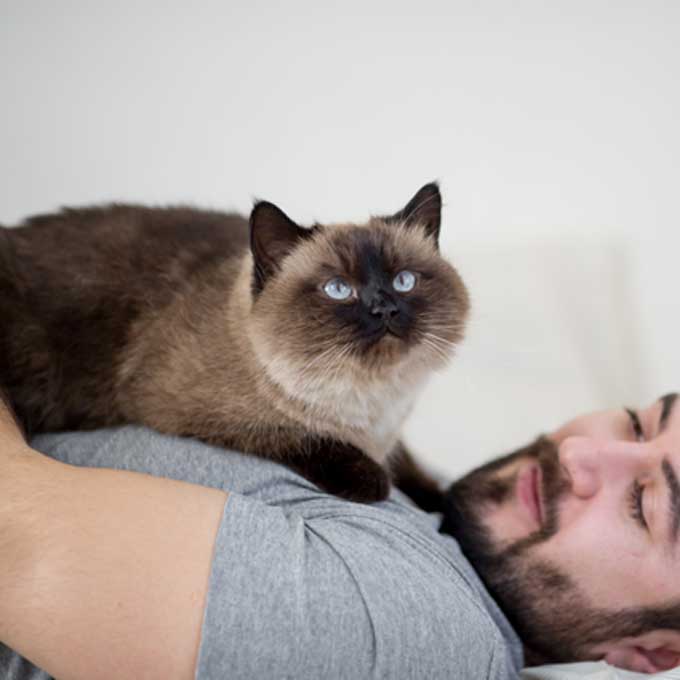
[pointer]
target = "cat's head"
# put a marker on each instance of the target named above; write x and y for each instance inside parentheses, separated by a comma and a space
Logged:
(354, 299)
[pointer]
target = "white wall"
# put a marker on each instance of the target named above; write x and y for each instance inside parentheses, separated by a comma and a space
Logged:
(553, 127)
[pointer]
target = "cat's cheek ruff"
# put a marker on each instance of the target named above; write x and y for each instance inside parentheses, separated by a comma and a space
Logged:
(328, 399)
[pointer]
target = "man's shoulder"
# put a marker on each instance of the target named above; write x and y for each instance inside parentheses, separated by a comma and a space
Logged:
(357, 584)
(389, 538)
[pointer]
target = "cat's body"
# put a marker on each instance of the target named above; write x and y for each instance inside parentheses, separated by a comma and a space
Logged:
(197, 323)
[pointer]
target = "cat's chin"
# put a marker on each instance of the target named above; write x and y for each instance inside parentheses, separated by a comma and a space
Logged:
(373, 339)
(384, 334)
(385, 348)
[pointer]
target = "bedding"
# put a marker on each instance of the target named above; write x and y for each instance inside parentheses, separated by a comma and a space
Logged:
(598, 670)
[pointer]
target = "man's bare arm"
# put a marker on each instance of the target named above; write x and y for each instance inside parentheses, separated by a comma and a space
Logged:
(103, 573)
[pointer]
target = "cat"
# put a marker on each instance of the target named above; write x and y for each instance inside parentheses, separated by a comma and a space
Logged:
(306, 346)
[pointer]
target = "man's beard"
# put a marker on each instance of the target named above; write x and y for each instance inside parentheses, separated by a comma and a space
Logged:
(541, 601)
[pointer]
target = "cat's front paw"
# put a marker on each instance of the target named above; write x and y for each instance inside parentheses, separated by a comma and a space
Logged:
(343, 470)
(360, 481)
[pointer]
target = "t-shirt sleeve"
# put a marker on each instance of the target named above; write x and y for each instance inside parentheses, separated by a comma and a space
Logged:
(340, 594)
(281, 603)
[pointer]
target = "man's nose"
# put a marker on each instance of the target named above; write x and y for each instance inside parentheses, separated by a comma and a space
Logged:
(591, 463)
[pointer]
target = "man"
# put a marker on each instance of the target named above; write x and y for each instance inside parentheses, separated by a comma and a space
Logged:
(104, 573)
(577, 537)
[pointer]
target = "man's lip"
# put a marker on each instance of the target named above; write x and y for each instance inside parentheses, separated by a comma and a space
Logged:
(529, 492)
(538, 487)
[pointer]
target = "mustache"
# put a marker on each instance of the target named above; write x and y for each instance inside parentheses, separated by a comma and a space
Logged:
(554, 486)
(486, 485)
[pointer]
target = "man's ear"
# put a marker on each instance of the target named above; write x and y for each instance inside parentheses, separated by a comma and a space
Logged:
(652, 652)
(425, 209)
(273, 235)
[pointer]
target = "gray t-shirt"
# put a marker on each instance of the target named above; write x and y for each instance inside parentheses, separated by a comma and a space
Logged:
(305, 585)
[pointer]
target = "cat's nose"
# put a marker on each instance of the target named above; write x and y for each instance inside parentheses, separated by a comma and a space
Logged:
(383, 307)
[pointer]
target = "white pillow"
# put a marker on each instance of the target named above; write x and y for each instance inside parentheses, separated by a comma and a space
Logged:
(598, 670)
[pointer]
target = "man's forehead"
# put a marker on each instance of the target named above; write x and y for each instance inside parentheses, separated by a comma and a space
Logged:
(593, 423)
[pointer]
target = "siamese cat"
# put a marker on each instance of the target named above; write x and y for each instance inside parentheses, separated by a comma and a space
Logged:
(306, 346)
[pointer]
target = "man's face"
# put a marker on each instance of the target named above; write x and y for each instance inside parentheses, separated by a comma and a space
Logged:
(577, 536)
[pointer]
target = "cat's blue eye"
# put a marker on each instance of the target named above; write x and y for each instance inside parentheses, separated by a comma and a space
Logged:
(338, 289)
(404, 281)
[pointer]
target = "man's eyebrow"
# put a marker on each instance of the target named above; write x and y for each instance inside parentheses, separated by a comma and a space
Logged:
(674, 500)
(667, 403)
(637, 425)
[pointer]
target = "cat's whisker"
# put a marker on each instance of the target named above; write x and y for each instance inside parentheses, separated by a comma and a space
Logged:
(439, 351)
(445, 345)
(437, 333)
(328, 374)
(438, 354)
(320, 373)
(339, 361)
(443, 352)
(320, 357)
(432, 323)
(327, 354)
(438, 339)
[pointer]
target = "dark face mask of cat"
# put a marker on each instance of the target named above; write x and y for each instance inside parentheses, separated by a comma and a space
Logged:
(357, 300)
(381, 304)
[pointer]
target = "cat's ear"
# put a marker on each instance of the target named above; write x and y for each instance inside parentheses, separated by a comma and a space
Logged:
(425, 209)
(272, 236)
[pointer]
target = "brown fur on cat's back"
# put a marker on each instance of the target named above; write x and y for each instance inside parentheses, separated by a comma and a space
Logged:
(71, 286)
